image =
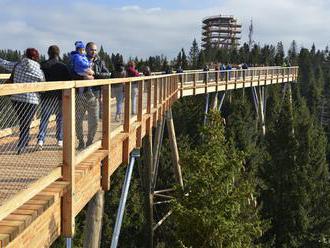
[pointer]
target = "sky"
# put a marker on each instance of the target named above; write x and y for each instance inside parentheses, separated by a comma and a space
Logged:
(145, 28)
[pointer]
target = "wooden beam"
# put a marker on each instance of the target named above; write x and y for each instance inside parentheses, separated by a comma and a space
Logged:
(174, 148)
(69, 163)
(140, 113)
(106, 131)
(148, 199)
(127, 123)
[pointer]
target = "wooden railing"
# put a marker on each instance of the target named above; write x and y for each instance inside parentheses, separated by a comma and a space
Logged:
(157, 93)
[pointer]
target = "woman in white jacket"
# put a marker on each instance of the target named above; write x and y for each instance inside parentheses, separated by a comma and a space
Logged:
(25, 105)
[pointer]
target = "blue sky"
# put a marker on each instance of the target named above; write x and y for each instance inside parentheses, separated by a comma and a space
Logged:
(145, 28)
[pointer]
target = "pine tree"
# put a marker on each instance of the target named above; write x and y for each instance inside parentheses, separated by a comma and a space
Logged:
(184, 60)
(201, 59)
(179, 60)
(293, 176)
(293, 53)
(279, 57)
(219, 207)
(193, 55)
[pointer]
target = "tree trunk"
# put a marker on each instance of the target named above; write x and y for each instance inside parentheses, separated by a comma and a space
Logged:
(93, 226)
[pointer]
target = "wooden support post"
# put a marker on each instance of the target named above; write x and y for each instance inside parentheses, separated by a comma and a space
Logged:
(156, 148)
(174, 147)
(181, 85)
(127, 124)
(93, 225)
(217, 81)
(206, 76)
(235, 76)
(155, 115)
(149, 89)
(139, 113)
(106, 130)
(160, 103)
(149, 199)
(194, 83)
(68, 168)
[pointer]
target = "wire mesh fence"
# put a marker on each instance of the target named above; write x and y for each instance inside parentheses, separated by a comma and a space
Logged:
(88, 117)
(117, 105)
(31, 139)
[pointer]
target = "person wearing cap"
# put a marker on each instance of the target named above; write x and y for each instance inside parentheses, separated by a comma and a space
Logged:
(79, 62)
(90, 98)
(51, 101)
(25, 105)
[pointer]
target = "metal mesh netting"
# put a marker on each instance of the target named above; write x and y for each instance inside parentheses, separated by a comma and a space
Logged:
(88, 117)
(30, 141)
(117, 106)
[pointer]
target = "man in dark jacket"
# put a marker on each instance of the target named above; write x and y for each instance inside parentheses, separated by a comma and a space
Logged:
(51, 101)
(90, 98)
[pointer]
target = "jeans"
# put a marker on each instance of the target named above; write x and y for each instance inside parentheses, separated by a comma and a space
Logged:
(134, 97)
(119, 94)
(25, 113)
(50, 105)
(90, 103)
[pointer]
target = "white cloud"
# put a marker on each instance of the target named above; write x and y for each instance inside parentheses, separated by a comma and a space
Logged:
(136, 31)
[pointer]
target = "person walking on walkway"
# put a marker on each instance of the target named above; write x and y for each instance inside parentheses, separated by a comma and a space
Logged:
(51, 101)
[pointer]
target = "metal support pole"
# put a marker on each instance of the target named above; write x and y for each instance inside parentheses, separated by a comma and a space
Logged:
(68, 242)
(221, 101)
(214, 104)
(255, 100)
(115, 237)
(156, 153)
(262, 113)
(206, 108)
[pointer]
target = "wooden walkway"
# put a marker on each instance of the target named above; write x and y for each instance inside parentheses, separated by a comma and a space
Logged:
(33, 184)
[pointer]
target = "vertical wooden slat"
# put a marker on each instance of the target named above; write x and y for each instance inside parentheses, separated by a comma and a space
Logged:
(194, 83)
(235, 76)
(155, 101)
(106, 130)
(217, 81)
(127, 110)
(140, 100)
(139, 113)
(206, 81)
(181, 85)
(127, 124)
(68, 168)
(149, 89)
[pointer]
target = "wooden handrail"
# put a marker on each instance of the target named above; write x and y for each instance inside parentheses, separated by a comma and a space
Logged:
(11, 89)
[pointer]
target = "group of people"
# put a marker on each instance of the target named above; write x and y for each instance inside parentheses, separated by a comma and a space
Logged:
(85, 64)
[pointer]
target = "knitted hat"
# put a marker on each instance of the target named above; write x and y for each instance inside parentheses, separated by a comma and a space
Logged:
(32, 53)
(79, 44)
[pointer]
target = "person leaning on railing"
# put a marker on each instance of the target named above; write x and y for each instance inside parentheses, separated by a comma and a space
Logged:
(25, 105)
(54, 70)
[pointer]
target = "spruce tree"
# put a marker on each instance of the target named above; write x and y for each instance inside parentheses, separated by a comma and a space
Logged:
(193, 55)
(219, 207)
